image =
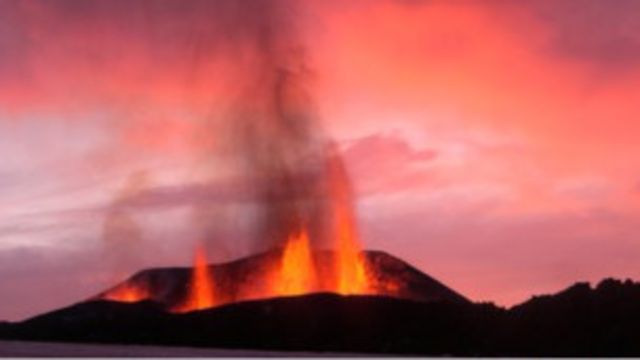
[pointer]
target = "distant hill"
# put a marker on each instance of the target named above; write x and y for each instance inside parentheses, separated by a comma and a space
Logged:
(600, 321)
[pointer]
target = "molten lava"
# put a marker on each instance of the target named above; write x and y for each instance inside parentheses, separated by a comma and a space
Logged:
(297, 274)
(127, 293)
(201, 287)
(351, 270)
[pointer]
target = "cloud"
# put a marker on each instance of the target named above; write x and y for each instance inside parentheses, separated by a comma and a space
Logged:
(596, 31)
(386, 162)
(504, 258)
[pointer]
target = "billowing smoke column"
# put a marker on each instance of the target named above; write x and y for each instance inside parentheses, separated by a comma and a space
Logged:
(274, 136)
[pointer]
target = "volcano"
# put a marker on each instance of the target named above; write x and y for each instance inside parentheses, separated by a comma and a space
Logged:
(251, 278)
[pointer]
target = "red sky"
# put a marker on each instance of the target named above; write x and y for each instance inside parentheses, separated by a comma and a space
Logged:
(493, 144)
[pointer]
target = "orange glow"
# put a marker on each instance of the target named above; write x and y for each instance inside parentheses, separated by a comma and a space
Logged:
(201, 287)
(350, 266)
(127, 293)
(297, 273)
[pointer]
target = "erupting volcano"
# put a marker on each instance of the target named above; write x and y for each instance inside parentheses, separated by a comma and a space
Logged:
(294, 268)
(305, 226)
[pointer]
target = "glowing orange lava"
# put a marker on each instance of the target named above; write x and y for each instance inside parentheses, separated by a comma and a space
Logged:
(201, 287)
(350, 265)
(351, 270)
(297, 273)
(127, 293)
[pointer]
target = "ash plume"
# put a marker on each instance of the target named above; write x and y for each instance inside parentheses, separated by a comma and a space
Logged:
(269, 135)
(122, 236)
(273, 136)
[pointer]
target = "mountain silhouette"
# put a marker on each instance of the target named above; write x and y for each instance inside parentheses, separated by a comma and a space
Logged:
(579, 321)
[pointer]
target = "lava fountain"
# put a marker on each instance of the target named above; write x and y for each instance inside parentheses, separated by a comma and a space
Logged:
(201, 293)
(297, 273)
(350, 267)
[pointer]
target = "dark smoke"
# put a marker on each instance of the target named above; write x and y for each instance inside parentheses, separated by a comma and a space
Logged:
(122, 236)
(274, 134)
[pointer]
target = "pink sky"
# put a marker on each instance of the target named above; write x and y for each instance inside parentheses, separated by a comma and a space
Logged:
(493, 144)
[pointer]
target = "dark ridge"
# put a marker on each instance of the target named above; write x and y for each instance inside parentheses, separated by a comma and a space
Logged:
(317, 322)
(579, 321)
(5, 328)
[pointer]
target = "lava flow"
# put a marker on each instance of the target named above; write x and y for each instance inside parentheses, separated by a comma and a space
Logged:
(201, 293)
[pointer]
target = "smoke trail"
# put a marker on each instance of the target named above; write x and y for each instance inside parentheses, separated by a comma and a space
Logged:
(122, 236)
(273, 134)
